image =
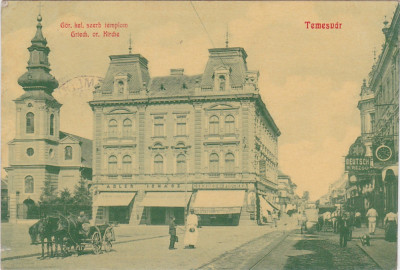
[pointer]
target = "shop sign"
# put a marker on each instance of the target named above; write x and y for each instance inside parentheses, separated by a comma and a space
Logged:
(217, 210)
(220, 186)
(358, 163)
(134, 187)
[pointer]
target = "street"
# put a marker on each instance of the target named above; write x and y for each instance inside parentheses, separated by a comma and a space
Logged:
(245, 247)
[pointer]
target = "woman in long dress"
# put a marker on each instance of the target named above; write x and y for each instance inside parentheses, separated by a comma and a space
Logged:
(192, 232)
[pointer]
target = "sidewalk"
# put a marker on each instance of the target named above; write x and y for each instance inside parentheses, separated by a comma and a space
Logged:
(384, 253)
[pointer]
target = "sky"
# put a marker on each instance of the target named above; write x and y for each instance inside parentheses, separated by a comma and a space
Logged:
(309, 79)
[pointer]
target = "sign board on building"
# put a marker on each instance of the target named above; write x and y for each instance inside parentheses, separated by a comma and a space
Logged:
(357, 163)
(220, 186)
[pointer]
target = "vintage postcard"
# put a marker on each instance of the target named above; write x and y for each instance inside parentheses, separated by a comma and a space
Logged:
(199, 135)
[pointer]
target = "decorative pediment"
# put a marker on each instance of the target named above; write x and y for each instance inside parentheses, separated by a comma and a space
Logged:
(221, 107)
(119, 111)
(158, 146)
(69, 140)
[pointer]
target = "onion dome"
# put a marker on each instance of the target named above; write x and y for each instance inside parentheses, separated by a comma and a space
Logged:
(38, 76)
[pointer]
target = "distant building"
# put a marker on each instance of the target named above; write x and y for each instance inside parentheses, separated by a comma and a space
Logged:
(40, 151)
(164, 145)
(286, 193)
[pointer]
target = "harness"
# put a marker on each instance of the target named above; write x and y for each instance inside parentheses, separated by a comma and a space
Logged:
(68, 230)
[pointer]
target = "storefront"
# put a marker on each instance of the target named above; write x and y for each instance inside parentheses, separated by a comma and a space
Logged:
(113, 207)
(390, 180)
(219, 207)
(266, 209)
(159, 207)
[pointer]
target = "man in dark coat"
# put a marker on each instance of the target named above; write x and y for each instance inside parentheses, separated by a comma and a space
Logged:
(172, 233)
(344, 227)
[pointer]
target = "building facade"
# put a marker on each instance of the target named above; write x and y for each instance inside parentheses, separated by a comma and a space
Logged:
(40, 151)
(376, 185)
(286, 193)
(165, 145)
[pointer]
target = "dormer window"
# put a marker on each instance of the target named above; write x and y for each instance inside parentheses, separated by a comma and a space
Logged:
(121, 87)
(222, 83)
(162, 88)
(121, 83)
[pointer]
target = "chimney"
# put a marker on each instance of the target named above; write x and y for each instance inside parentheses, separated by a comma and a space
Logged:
(177, 71)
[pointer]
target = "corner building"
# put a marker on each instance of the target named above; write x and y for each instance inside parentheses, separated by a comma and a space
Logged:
(165, 145)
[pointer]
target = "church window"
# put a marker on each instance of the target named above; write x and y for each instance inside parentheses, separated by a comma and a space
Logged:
(30, 151)
(30, 123)
(68, 153)
(52, 124)
(29, 184)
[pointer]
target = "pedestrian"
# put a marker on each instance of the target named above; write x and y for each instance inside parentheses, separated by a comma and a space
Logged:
(372, 215)
(343, 225)
(172, 233)
(334, 218)
(303, 222)
(357, 221)
(192, 232)
(275, 218)
(390, 223)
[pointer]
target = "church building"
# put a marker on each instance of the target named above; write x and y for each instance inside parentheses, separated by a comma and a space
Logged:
(40, 151)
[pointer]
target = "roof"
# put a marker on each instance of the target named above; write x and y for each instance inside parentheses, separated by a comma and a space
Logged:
(4, 184)
(37, 95)
(173, 85)
(86, 148)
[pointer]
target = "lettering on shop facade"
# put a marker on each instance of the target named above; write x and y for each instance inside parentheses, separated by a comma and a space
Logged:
(159, 186)
(220, 186)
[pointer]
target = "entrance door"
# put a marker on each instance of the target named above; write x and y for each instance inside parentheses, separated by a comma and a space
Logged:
(30, 210)
(157, 215)
(179, 215)
(119, 214)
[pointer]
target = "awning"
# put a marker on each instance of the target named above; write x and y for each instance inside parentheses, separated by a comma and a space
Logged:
(265, 206)
(271, 204)
(113, 199)
(394, 168)
(218, 201)
(166, 199)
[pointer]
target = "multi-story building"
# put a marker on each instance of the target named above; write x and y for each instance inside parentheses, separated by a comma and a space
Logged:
(376, 184)
(286, 193)
(165, 145)
(40, 151)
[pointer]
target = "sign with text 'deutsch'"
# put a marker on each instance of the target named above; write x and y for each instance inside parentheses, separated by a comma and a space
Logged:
(357, 163)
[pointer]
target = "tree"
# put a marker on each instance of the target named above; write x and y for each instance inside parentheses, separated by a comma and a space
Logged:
(306, 195)
(82, 195)
(65, 196)
(48, 195)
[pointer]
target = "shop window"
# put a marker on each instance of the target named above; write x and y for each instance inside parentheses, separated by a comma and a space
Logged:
(112, 165)
(181, 163)
(29, 184)
(158, 164)
(214, 125)
(68, 153)
(30, 123)
(229, 124)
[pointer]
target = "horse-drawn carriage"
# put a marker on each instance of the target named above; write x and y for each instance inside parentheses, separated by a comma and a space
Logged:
(68, 232)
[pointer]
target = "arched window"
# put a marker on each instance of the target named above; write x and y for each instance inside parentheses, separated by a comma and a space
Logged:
(127, 128)
(29, 184)
(229, 163)
(214, 125)
(214, 163)
(68, 152)
(181, 163)
(158, 164)
(229, 124)
(222, 83)
(112, 165)
(52, 124)
(30, 122)
(127, 164)
(112, 128)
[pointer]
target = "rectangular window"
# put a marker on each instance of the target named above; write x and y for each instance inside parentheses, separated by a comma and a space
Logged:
(181, 125)
(372, 117)
(262, 168)
(158, 126)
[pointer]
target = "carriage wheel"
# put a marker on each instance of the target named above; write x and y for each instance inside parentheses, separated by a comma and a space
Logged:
(108, 237)
(96, 242)
(107, 246)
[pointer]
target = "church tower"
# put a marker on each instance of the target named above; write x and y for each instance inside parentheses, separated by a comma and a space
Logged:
(33, 156)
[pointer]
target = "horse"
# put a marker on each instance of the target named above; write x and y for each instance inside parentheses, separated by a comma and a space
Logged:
(44, 229)
(68, 233)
